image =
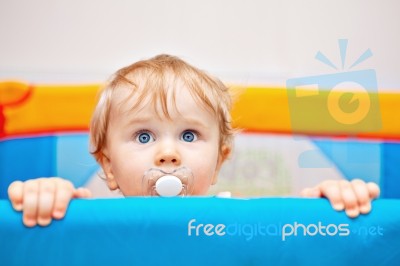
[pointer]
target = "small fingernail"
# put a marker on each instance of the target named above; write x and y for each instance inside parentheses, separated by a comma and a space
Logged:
(29, 222)
(352, 213)
(338, 206)
(17, 207)
(44, 221)
(58, 214)
(365, 209)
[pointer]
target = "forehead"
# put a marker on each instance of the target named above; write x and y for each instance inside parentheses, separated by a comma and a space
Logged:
(165, 102)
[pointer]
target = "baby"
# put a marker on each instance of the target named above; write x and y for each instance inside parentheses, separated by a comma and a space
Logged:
(156, 118)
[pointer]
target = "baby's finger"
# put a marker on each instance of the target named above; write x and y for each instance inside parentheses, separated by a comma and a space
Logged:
(349, 199)
(64, 193)
(311, 193)
(46, 201)
(361, 191)
(15, 194)
(373, 189)
(331, 190)
(30, 203)
(82, 193)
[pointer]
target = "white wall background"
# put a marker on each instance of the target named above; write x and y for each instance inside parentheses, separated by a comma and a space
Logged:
(255, 41)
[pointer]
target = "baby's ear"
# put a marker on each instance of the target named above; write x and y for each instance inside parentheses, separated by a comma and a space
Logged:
(223, 155)
(107, 169)
(225, 152)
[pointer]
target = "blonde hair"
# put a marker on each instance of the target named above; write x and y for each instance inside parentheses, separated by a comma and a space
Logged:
(152, 78)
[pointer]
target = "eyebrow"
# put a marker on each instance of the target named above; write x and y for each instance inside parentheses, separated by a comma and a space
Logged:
(139, 119)
(185, 120)
(194, 121)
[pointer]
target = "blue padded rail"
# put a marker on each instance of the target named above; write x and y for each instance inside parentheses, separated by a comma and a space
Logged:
(155, 231)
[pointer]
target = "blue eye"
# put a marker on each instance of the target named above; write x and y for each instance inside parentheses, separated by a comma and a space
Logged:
(144, 137)
(189, 136)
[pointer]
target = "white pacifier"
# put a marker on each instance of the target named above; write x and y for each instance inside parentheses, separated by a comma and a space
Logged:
(157, 182)
(169, 186)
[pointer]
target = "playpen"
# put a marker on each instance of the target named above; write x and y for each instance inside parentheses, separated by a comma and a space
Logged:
(44, 132)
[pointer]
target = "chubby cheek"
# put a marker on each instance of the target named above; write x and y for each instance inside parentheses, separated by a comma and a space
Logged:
(129, 183)
(203, 177)
(201, 189)
(130, 186)
(129, 176)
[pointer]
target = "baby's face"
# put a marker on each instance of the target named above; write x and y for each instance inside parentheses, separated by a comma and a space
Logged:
(139, 140)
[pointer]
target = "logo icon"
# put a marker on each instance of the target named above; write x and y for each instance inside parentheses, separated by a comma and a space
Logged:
(341, 103)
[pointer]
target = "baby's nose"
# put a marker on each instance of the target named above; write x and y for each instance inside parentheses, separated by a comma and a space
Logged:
(168, 158)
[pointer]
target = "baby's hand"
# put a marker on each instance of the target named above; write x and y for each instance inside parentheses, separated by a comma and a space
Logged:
(354, 197)
(43, 199)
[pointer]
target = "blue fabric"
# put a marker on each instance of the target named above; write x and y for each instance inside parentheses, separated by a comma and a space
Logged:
(155, 231)
(66, 156)
(374, 161)
(391, 170)
(354, 158)
(24, 158)
(74, 161)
